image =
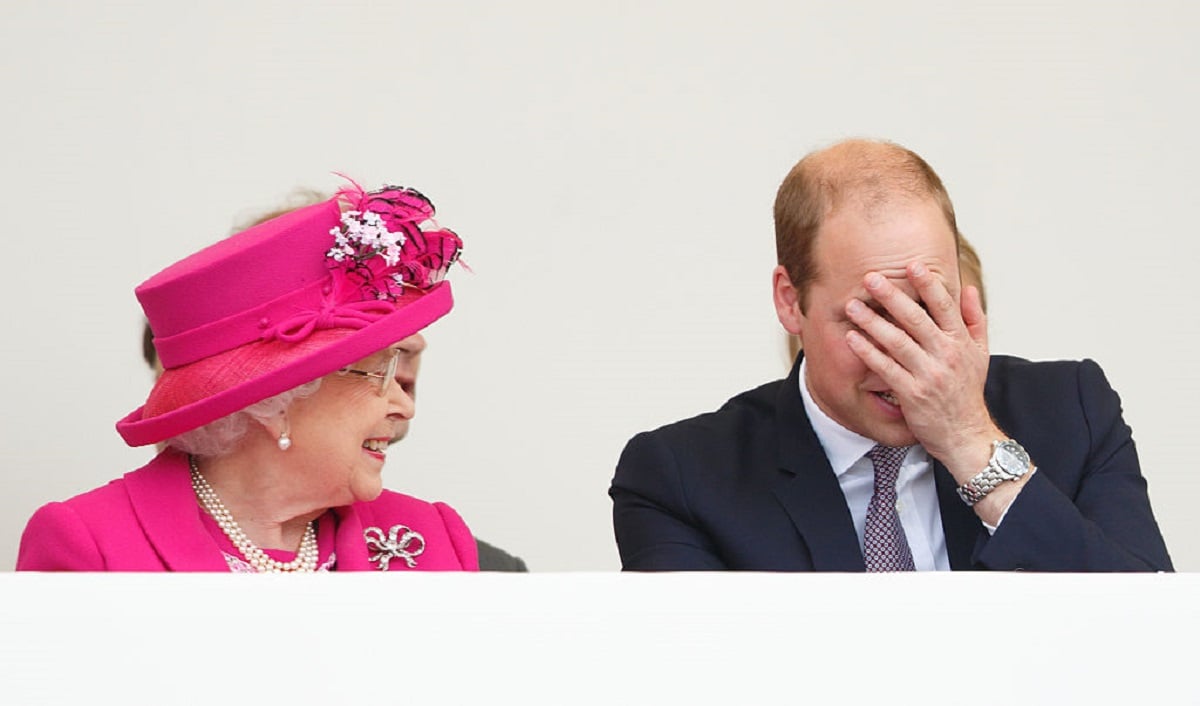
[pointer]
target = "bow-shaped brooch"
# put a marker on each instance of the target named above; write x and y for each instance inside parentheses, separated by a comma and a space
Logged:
(400, 543)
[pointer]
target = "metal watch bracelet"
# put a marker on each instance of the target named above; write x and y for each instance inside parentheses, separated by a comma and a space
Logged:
(978, 487)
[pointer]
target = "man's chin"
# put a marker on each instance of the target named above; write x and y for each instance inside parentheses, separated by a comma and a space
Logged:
(888, 430)
(904, 438)
(894, 434)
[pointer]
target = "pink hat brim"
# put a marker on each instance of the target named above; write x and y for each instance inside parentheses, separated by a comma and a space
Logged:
(137, 430)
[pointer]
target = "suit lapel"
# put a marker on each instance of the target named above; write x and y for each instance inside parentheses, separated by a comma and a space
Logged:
(808, 489)
(165, 505)
(960, 524)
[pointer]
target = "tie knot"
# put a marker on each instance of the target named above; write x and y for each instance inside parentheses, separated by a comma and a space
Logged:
(887, 459)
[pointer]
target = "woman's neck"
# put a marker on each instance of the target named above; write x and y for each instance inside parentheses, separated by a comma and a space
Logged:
(254, 491)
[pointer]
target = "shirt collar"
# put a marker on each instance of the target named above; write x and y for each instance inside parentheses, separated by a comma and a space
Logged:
(842, 446)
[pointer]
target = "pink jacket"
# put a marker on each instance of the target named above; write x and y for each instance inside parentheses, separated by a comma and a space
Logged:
(149, 521)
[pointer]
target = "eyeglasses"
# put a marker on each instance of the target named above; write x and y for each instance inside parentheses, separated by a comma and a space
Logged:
(385, 378)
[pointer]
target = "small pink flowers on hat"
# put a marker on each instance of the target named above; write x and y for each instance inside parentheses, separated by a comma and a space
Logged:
(388, 240)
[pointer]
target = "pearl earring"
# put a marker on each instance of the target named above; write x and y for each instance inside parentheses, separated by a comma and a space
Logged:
(285, 441)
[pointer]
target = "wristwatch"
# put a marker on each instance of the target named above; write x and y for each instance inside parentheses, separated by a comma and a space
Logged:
(1009, 461)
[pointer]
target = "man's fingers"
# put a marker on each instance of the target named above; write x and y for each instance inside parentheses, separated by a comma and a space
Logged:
(906, 313)
(897, 342)
(938, 303)
(884, 366)
(973, 315)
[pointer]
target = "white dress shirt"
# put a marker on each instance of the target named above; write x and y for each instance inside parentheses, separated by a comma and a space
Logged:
(916, 494)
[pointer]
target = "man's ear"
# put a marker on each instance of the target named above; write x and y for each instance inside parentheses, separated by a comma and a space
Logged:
(787, 302)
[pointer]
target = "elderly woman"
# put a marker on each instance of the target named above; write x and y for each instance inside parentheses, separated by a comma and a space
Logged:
(279, 395)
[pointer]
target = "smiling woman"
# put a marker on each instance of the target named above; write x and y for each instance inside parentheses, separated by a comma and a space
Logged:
(279, 394)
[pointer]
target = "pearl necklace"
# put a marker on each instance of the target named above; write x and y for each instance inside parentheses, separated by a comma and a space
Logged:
(306, 555)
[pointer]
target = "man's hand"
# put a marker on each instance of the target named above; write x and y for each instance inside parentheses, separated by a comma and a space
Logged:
(935, 360)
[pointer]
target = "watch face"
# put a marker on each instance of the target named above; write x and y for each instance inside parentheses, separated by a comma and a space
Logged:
(1012, 459)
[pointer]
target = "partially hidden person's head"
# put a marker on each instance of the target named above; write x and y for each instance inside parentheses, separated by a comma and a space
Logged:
(298, 199)
(970, 269)
(251, 326)
(857, 207)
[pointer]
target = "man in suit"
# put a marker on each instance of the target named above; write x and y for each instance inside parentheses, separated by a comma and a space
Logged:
(897, 442)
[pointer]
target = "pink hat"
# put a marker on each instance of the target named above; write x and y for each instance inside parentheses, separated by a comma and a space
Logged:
(288, 301)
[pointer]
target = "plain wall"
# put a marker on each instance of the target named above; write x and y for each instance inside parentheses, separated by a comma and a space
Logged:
(593, 638)
(611, 168)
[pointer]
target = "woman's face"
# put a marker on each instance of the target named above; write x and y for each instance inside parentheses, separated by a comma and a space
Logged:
(341, 432)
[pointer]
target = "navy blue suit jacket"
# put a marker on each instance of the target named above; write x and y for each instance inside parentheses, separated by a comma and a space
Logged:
(748, 487)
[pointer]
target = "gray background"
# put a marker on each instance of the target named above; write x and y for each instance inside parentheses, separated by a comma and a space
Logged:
(611, 168)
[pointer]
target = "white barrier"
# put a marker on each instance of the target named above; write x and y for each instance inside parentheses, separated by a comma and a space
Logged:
(598, 638)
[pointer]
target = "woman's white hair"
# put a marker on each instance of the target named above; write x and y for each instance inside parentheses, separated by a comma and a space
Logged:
(219, 437)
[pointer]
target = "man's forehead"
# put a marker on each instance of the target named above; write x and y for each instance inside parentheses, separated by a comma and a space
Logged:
(915, 231)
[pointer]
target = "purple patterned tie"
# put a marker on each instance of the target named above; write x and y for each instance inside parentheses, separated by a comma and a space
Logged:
(885, 547)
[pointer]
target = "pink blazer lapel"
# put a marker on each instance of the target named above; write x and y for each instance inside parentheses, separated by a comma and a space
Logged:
(165, 505)
(350, 545)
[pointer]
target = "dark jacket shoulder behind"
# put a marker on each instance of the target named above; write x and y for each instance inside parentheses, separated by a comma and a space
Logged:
(493, 558)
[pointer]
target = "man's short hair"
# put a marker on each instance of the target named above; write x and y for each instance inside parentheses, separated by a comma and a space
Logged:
(863, 174)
